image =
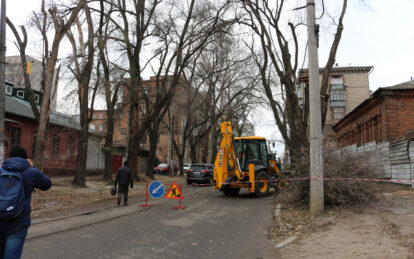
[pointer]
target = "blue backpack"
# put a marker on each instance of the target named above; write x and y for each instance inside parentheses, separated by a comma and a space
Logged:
(11, 194)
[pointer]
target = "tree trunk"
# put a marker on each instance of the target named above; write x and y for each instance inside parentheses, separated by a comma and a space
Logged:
(133, 141)
(79, 179)
(153, 139)
(41, 138)
(108, 146)
(193, 152)
(213, 145)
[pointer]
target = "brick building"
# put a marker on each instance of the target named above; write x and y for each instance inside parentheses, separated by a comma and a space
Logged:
(120, 135)
(388, 115)
(348, 87)
(62, 137)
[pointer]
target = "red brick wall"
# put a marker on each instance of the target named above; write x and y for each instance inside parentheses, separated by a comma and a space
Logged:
(361, 127)
(121, 125)
(384, 117)
(56, 166)
(399, 110)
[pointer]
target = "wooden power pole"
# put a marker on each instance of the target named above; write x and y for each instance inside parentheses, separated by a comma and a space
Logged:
(316, 155)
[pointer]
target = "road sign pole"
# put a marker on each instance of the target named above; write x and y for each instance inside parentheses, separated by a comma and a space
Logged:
(179, 203)
(146, 205)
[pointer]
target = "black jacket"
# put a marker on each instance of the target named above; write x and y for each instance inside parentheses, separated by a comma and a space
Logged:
(124, 177)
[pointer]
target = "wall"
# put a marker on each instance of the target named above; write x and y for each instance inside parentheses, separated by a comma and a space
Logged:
(96, 159)
(399, 112)
(122, 117)
(389, 160)
(400, 160)
(64, 163)
(357, 91)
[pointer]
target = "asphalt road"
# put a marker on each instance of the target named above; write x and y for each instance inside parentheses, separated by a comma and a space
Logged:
(213, 226)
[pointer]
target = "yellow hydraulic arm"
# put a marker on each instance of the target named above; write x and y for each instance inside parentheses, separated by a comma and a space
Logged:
(226, 163)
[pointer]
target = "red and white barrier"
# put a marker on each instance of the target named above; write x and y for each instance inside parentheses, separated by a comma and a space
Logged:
(324, 178)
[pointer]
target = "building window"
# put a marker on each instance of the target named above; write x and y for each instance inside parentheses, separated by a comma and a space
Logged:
(9, 90)
(55, 146)
(15, 134)
(92, 126)
(101, 116)
(336, 80)
(94, 116)
(20, 94)
(100, 127)
(338, 112)
(71, 146)
(37, 98)
(338, 95)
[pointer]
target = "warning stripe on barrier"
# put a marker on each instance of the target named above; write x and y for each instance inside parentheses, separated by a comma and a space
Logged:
(319, 178)
(361, 179)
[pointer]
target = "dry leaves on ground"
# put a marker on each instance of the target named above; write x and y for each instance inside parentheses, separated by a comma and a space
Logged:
(44, 203)
(63, 197)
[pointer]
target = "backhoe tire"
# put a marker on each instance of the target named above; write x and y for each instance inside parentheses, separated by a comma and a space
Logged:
(262, 184)
(231, 191)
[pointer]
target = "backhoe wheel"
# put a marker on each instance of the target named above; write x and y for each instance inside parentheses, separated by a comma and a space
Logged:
(262, 184)
(231, 191)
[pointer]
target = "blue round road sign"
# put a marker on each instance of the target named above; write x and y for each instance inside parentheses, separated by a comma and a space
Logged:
(156, 189)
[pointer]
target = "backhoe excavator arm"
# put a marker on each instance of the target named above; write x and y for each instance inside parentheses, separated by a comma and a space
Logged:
(226, 163)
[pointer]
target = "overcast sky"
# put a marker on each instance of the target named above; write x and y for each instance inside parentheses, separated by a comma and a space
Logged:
(380, 35)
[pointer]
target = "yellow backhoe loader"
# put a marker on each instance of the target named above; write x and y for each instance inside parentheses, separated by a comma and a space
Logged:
(244, 162)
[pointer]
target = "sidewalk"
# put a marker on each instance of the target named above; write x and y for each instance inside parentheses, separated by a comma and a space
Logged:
(84, 206)
(47, 226)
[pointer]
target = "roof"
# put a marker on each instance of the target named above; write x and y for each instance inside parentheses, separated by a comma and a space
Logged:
(409, 85)
(13, 121)
(349, 69)
(22, 108)
(406, 86)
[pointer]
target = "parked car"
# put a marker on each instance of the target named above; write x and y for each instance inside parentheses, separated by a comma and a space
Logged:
(164, 169)
(200, 173)
(186, 167)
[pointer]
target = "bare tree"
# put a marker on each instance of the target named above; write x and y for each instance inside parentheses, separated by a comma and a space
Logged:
(21, 46)
(229, 80)
(83, 60)
(111, 94)
(43, 22)
(134, 28)
(280, 56)
(180, 36)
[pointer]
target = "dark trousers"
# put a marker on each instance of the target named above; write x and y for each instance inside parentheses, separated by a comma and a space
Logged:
(123, 191)
(11, 243)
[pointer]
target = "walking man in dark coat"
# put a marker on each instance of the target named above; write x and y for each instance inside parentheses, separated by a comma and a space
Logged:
(123, 179)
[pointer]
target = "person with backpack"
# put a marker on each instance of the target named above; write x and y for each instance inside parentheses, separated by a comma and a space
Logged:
(123, 179)
(18, 178)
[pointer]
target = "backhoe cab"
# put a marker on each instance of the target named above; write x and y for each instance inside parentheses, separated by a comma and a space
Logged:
(245, 162)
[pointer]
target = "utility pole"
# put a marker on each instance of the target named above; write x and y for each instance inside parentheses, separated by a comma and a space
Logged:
(316, 160)
(2, 79)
